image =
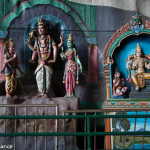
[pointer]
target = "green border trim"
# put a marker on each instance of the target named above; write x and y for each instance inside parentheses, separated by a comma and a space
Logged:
(58, 4)
(117, 42)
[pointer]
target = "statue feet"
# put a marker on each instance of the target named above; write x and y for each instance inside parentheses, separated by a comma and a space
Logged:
(69, 95)
(45, 96)
(137, 88)
(31, 61)
(8, 95)
(39, 95)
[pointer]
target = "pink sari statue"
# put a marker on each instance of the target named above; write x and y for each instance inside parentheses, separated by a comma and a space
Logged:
(72, 67)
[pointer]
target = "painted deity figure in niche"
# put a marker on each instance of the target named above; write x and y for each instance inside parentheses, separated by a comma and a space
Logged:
(42, 48)
(72, 67)
(11, 62)
(139, 64)
(119, 88)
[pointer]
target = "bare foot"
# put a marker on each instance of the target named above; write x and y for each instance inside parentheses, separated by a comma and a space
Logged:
(31, 61)
(45, 96)
(8, 95)
(39, 95)
(137, 88)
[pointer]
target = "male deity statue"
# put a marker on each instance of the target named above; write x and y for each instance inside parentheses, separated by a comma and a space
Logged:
(139, 64)
(11, 64)
(42, 48)
(119, 88)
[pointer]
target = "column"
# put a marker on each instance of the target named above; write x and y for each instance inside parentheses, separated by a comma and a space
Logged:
(92, 63)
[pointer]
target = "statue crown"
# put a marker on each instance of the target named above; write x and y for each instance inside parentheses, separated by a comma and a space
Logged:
(70, 38)
(41, 21)
(9, 43)
(138, 49)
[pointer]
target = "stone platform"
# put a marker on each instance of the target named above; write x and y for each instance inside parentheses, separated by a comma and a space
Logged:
(39, 125)
(142, 92)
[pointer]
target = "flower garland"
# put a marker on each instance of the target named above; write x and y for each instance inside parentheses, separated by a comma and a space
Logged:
(49, 50)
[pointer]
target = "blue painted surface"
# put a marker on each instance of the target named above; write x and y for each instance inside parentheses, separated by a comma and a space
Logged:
(3, 34)
(139, 146)
(128, 47)
(91, 40)
(118, 97)
(33, 26)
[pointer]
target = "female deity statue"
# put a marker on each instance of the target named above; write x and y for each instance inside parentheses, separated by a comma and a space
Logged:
(11, 62)
(72, 67)
(139, 64)
(42, 47)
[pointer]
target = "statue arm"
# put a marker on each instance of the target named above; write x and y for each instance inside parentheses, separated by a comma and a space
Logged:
(54, 55)
(11, 59)
(20, 69)
(77, 59)
(134, 64)
(79, 62)
(29, 45)
(61, 42)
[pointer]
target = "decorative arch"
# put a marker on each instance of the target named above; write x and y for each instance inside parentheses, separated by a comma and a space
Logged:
(30, 3)
(117, 38)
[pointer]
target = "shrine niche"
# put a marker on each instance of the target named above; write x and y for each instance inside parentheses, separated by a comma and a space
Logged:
(126, 60)
(128, 52)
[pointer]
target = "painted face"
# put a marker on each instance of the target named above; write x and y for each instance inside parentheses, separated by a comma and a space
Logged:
(42, 30)
(118, 74)
(69, 44)
(11, 48)
(138, 54)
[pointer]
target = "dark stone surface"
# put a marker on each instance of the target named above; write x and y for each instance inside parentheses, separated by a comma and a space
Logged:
(142, 92)
(39, 125)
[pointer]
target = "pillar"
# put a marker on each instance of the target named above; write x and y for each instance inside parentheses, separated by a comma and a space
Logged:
(92, 63)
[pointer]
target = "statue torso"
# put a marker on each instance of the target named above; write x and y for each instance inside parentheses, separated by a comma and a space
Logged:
(140, 65)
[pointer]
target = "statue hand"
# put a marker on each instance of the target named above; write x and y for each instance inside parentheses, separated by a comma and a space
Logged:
(62, 54)
(28, 41)
(81, 68)
(15, 56)
(62, 39)
(148, 66)
(134, 64)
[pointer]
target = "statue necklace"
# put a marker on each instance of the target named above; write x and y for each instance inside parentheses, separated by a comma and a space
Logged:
(49, 50)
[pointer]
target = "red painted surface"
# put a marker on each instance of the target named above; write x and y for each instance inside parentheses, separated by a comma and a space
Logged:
(2, 77)
(92, 64)
(55, 0)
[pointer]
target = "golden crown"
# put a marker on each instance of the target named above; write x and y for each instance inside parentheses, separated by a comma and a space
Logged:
(70, 38)
(41, 21)
(138, 49)
(9, 43)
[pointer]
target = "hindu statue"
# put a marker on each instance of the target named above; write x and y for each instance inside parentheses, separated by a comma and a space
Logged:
(119, 88)
(72, 67)
(11, 63)
(138, 62)
(44, 43)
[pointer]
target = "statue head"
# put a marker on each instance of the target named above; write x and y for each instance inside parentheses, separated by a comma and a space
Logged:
(70, 42)
(138, 50)
(117, 73)
(9, 45)
(42, 27)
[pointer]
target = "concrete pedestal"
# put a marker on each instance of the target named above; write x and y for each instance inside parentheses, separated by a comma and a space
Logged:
(38, 125)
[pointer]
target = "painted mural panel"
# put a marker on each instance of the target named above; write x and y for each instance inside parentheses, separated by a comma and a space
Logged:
(130, 125)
